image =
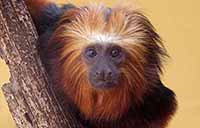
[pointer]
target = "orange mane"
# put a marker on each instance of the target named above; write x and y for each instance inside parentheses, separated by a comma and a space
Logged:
(132, 31)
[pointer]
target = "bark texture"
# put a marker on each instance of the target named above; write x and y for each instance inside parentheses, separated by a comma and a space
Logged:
(30, 99)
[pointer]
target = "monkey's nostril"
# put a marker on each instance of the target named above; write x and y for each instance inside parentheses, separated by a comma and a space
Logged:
(109, 73)
(98, 73)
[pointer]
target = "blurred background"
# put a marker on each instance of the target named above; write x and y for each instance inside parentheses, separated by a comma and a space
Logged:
(177, 22)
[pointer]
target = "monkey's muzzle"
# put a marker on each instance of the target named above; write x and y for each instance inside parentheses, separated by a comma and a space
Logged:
(104, 77)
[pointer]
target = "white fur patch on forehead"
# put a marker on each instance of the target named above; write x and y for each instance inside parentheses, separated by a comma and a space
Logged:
(103, 37)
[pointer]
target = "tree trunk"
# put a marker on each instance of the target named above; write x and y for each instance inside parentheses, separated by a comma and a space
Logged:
(31, 102)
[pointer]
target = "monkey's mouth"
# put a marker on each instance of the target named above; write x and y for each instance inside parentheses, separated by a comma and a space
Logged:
(103, 84)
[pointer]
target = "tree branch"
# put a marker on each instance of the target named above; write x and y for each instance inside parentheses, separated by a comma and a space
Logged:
(30, 100)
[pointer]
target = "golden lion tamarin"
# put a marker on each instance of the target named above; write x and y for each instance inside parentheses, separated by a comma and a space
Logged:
(108, 62)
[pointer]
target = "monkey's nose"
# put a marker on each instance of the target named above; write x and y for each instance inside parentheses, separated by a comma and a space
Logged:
(103, 75)
(103, 78)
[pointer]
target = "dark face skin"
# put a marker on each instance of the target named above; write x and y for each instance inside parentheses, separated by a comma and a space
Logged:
(103, 61)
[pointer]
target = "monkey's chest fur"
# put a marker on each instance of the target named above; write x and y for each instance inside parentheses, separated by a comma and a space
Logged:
(154, 112)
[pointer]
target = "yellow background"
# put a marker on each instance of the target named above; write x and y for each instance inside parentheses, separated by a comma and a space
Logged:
(177, 21)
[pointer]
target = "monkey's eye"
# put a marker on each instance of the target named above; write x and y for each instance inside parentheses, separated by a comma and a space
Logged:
(115, 52)
(91, 53)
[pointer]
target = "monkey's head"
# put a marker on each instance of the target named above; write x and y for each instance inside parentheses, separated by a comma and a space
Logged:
(105, 59)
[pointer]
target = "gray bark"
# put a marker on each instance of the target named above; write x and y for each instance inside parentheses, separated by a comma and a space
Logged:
(31, 102)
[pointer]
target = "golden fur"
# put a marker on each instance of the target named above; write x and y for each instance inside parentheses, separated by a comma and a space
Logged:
(133, 33)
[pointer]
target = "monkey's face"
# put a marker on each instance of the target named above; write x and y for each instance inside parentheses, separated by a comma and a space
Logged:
(104, 48)
(103, 62)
